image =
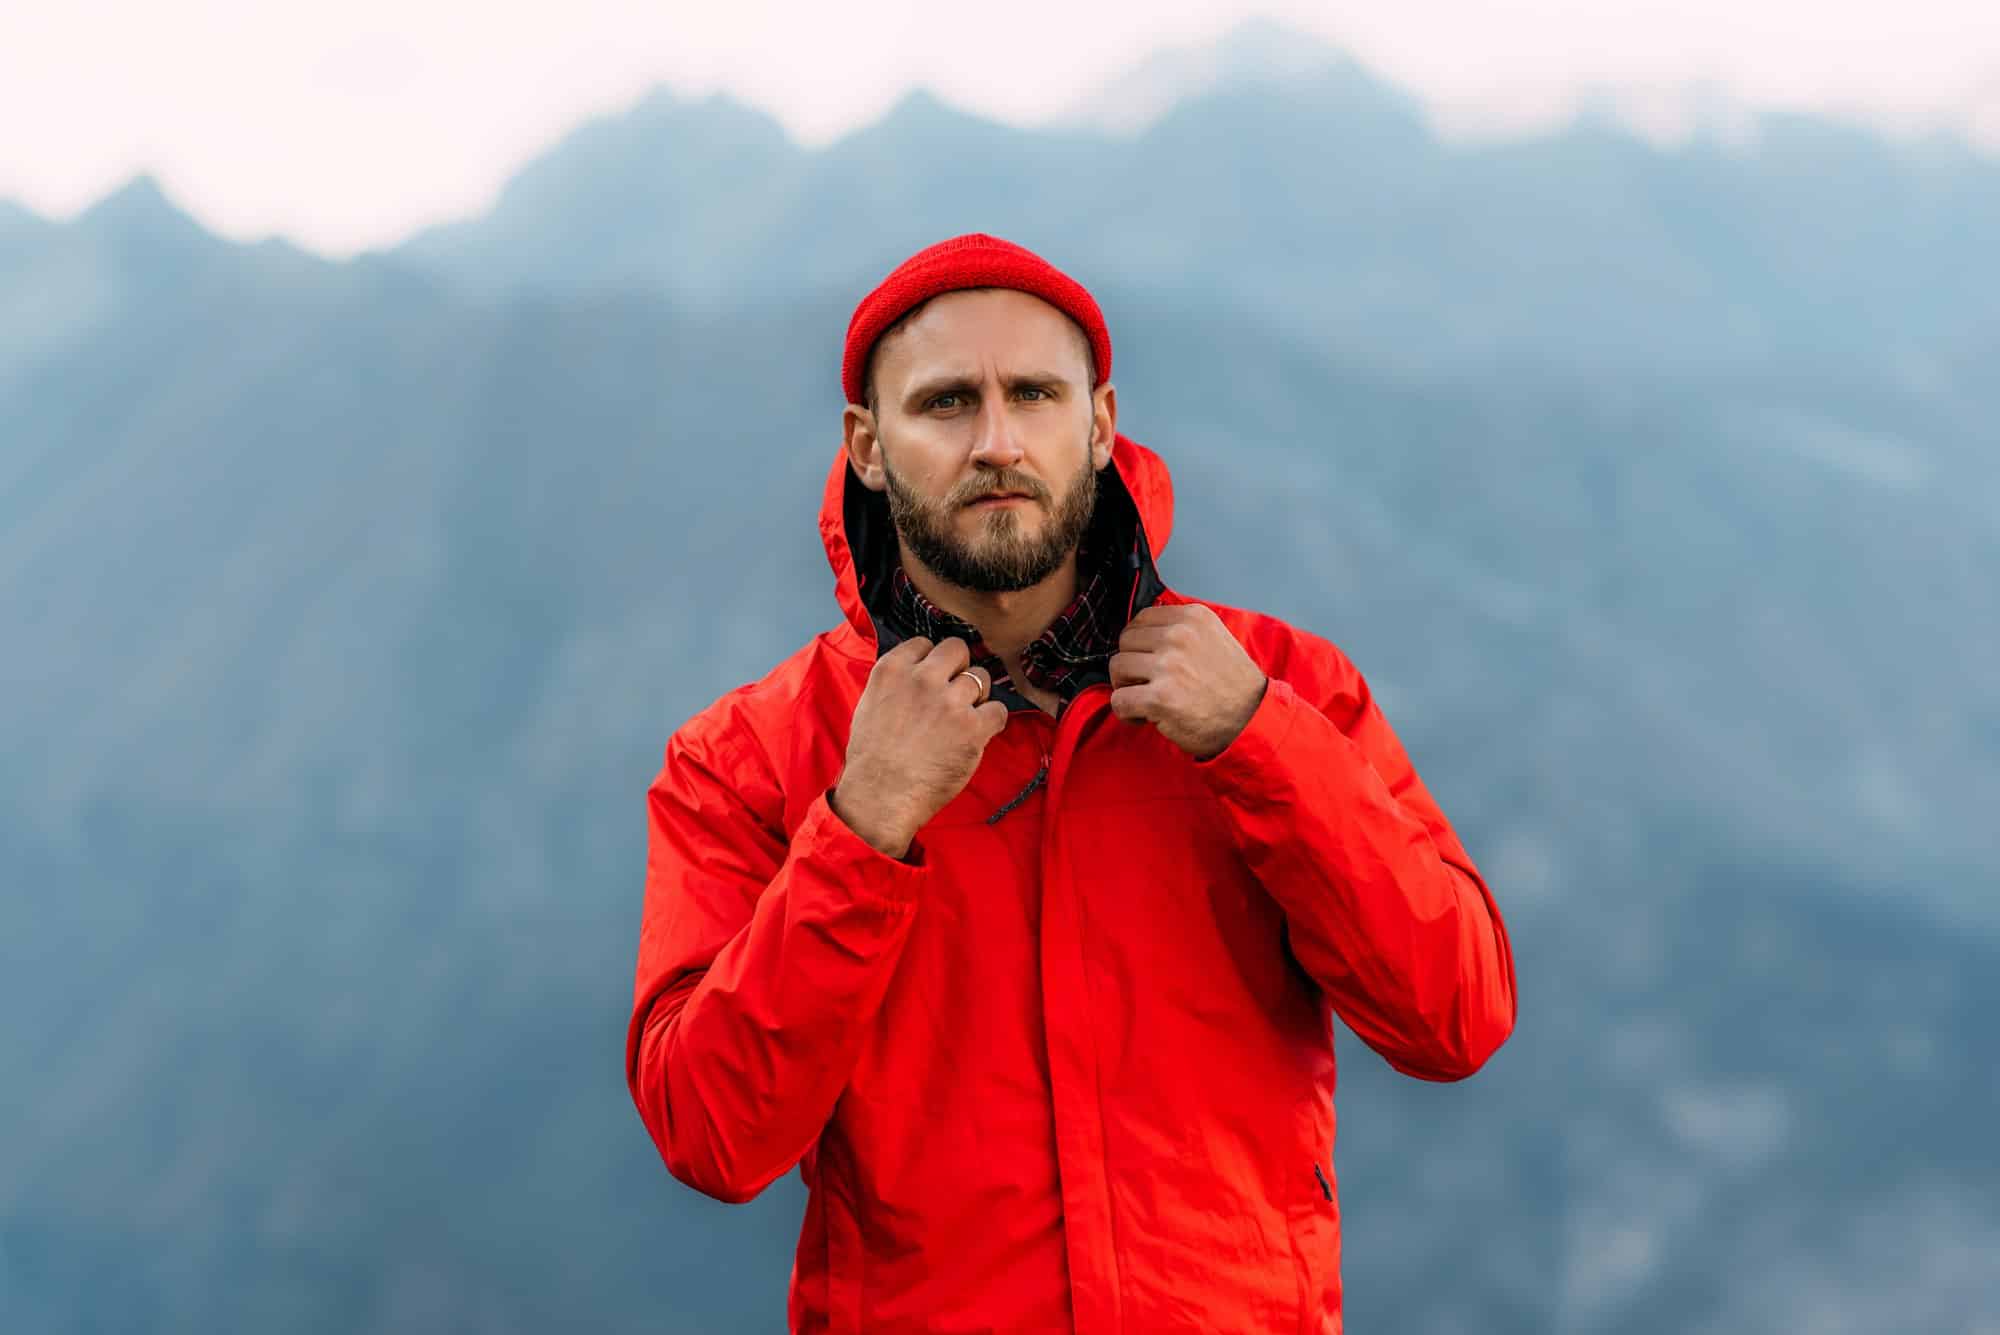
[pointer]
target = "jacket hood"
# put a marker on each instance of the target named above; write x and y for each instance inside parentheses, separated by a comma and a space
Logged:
(860, 538)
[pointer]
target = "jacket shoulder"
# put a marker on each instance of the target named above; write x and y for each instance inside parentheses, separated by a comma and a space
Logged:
(1314, 666)
(743, 733)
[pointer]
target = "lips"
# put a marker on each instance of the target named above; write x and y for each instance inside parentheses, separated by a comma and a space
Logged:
(991, 497)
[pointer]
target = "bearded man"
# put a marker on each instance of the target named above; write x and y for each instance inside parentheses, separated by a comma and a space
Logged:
(1015, 909)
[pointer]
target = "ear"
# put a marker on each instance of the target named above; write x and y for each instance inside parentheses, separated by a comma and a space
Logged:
(1103, 424)
(864, 447)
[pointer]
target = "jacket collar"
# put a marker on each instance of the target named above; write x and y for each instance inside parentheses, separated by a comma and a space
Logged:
(860, 538)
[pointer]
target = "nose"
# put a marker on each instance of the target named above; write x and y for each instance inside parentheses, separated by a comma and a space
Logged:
(995, 445)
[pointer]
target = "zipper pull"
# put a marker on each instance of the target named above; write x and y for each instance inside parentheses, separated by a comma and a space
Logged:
(1022, 796)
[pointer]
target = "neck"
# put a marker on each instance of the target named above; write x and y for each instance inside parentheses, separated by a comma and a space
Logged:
(1007, 621)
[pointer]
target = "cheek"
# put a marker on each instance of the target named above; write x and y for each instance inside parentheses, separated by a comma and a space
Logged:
(930, 463)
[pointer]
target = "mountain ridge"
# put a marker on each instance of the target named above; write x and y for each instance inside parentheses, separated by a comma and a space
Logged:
(350, 606)
(1265, 52)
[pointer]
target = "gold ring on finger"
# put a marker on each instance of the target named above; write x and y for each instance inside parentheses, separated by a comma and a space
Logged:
(978, 675)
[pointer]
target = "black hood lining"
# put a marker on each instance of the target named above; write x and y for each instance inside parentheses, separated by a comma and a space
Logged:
(871, 540)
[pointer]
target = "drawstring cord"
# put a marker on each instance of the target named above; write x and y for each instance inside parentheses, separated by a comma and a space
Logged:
(1022, 796)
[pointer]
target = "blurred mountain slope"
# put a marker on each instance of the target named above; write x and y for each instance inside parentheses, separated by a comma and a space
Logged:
(349, 607)
(1317, 198)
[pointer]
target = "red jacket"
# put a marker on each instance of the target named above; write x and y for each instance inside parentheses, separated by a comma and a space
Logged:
(1070, 1068)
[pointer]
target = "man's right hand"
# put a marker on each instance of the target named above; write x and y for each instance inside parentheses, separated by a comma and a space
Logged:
(916, 739)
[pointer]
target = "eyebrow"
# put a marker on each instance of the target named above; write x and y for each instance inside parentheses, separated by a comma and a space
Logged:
(960, 382)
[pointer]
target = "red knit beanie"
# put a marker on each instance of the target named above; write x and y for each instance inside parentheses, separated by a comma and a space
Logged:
(972, 260)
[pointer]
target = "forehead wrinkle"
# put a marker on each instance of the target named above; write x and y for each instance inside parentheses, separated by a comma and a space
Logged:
(905, 323)
(957, 379)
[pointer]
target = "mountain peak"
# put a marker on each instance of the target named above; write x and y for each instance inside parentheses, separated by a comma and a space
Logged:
(1261, 47)
(140, 207)
(921, 115)
(917, 101)
(1258, 50)
(715, 112)
(922, 105)
(142, 192)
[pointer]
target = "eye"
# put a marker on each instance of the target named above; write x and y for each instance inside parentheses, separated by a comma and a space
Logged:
(1036, 390)
(943, 401)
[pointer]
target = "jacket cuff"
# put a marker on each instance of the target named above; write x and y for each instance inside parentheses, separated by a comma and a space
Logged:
(854, 859)
(1245, 765)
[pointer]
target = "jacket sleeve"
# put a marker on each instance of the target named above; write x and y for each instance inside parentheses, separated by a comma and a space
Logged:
(761, 961)
(1383, 907)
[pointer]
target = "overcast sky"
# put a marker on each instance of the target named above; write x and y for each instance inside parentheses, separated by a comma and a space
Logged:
(346, 126)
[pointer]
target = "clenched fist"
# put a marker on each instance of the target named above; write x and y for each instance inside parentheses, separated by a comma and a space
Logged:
(1180, 669)
(919, 730)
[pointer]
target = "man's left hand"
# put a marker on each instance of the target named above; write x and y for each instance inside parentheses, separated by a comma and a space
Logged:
(1181, 670)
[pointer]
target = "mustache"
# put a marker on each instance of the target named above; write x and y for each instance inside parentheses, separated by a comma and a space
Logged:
(1000, 486)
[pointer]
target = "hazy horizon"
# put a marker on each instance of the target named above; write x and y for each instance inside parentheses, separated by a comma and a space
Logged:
(375, 122)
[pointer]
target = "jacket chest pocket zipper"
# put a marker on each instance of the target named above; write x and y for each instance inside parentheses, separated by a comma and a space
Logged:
(1324, 1189)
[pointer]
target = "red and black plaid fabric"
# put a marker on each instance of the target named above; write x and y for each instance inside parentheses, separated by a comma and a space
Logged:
(1072, 653)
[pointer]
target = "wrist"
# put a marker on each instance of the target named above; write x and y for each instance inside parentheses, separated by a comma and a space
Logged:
(1242, 720)
(885, 835)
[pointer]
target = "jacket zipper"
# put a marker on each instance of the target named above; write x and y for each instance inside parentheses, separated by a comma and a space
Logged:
(1325, 1190)
(1022, 796)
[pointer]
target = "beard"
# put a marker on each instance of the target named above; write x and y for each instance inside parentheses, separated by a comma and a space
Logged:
(1001, 557)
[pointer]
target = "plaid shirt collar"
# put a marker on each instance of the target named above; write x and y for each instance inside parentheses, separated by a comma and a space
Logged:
(1071, 653)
